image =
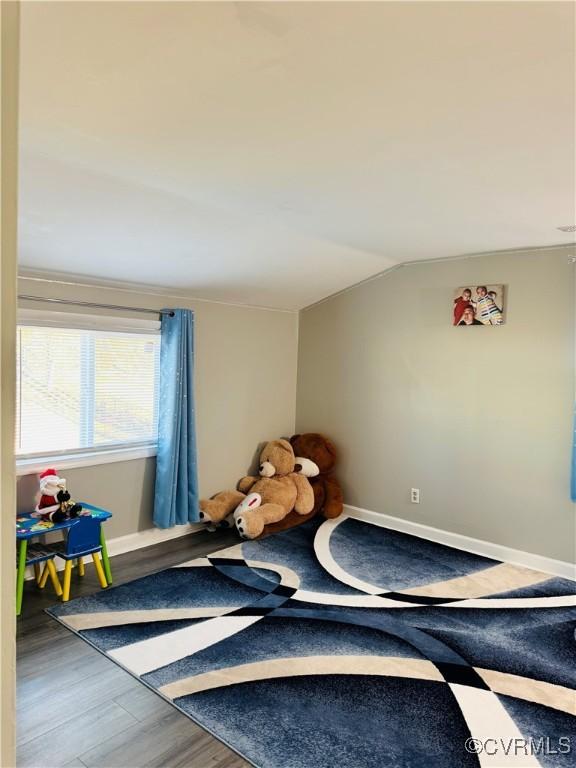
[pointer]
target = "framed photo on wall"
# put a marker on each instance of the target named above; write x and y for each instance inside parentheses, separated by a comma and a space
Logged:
(478, 305)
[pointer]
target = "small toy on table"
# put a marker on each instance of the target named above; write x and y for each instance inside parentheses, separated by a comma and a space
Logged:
(54, 503)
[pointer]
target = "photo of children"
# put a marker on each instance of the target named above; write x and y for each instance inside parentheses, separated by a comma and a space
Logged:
(478, 305)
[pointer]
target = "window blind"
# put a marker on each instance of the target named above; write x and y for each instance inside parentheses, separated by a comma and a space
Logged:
(80, 389)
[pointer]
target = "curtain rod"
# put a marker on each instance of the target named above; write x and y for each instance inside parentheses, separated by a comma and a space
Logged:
(97, 306)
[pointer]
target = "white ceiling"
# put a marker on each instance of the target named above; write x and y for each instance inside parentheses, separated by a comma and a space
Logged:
(274, 153)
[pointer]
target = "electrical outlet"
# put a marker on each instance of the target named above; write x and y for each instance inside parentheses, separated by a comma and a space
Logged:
(415, 495)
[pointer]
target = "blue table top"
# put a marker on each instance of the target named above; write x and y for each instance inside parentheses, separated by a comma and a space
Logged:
(27, 526)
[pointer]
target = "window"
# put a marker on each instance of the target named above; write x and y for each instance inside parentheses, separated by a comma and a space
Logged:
(85, 389)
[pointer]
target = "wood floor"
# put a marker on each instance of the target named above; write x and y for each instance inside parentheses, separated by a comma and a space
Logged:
(78, 709)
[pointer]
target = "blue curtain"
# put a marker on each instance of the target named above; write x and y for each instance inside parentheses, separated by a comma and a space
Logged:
(176, 494)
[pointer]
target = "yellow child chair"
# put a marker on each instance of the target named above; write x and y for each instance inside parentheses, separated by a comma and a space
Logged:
(83, 539)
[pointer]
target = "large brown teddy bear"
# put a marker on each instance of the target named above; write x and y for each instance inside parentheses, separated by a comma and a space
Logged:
(280, 489)
(328, 498)
(316, 456)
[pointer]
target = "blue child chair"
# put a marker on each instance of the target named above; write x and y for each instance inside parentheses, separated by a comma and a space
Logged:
(40, 553)
(83, 539)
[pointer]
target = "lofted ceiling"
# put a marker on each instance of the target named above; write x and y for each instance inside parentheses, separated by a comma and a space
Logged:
(274, 153)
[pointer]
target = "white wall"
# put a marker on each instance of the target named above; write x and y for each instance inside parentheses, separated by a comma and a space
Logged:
(245, 383)
(480, 419)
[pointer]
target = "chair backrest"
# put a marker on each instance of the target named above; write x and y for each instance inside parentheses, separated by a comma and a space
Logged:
(84, 535)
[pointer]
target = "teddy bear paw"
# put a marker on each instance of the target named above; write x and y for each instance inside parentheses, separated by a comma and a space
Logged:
(228, 522)
(239, 522)
(204, 513)
(247, 527)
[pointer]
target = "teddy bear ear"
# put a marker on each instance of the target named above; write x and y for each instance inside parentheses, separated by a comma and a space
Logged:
(293, 439)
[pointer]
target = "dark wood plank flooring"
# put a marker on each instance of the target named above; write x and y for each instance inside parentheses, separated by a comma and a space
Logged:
(77, 709)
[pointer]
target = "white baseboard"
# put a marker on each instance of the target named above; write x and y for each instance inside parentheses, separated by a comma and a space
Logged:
(459, 541)
(138, 540)
(150, 536)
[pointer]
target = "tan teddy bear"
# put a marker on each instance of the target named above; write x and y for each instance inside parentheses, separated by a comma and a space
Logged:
(265, 499)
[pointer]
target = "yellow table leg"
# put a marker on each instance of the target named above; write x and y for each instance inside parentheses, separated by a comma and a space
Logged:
(54, 577)
(37, 572)
(67, 577)
(44, 576)
(81, 570)
(99, 570)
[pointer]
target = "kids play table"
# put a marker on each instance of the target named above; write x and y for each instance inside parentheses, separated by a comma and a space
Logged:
(28, 527)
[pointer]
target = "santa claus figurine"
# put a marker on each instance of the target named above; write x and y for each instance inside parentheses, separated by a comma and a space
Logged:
(54, 502)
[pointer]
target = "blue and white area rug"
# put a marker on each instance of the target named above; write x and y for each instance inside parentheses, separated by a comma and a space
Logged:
(346, 645)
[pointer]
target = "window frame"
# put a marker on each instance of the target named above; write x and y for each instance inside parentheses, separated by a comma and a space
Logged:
(31, 463)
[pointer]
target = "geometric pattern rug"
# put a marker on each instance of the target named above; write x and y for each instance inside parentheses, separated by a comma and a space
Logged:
(341, 644)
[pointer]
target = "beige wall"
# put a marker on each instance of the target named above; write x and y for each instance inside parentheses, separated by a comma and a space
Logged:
(245, 381)
(479, 419)
(126, 488)
(9, 32)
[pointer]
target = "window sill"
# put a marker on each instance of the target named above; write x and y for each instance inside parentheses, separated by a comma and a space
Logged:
(89, 459)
